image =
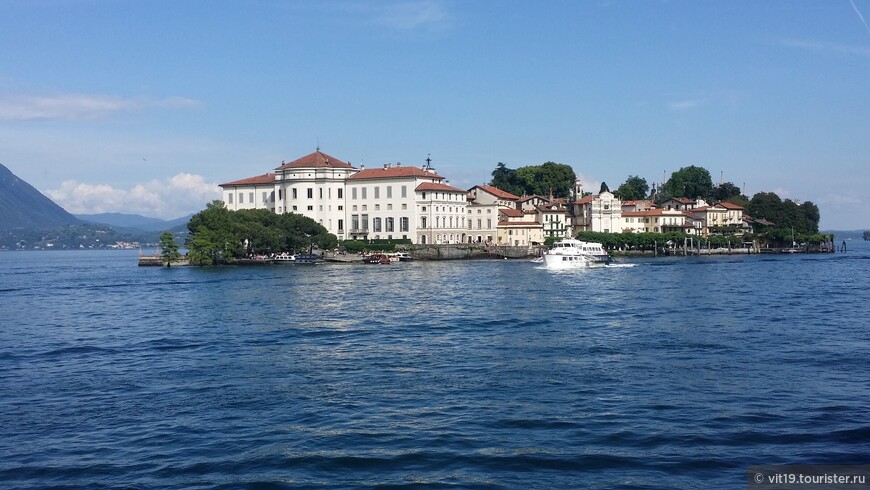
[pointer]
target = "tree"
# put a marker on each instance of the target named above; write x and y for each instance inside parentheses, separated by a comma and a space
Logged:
(218, 235)
(169, 249)
(506, 179)
(726, 191)
(545, 179)
(691, 182)
(634, 188)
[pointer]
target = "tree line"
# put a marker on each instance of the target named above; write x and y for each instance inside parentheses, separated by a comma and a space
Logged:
(218, 235)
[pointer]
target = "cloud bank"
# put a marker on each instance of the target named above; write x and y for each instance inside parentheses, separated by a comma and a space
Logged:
(170, 198)
(79, 106)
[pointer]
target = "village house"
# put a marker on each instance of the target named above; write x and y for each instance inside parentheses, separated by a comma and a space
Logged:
(484, 203)
(518, 229)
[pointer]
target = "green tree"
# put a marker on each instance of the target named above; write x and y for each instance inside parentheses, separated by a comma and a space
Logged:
(726, 191)
(634, 188)
(545, 179)
(506, 179)
(691, 182)
(168, 248)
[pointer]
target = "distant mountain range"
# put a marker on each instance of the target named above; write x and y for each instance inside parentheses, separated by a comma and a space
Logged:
(129, 223)
(23, 207)
(30, 220)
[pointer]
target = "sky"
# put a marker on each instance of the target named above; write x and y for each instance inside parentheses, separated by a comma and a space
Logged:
(144, 107)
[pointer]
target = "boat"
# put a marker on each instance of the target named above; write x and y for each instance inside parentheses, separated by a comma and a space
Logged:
(570, 253)
(284, 258)
(404, 257)
(309, 258)
(376, 259)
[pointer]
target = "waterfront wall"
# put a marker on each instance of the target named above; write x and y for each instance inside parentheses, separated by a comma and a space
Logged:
(467, 251)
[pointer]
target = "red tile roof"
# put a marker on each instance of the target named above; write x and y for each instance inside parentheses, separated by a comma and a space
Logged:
(648, 212)
(518, 223)
(729, 205)
(318, 159)
(586, 200)
(433, 186)
(258, 180)
(393, 172)
(495, 191)
(534, 196)
(512, 213)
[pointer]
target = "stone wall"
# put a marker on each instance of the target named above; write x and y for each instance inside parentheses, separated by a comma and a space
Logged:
(466, 251)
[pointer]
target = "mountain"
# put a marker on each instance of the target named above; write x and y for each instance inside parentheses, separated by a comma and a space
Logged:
(23, 207)
(134, 222)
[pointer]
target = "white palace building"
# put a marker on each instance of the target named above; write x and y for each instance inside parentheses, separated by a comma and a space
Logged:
(393, 201)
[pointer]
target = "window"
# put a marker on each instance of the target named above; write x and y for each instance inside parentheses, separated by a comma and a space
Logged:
(251, 197)
(321, 192)
(424, 195)
(404, 206)
(310, 193)
(229, 198)
(353, 193)
(363, 193)
(404, 191)
(423, 222)
(341, 208)
(403, 223)
(389, 206)
(265, 197)
(479, 224)
(340, 193)
(280, 194)
(294, 193)
(377, 192)
(294, 208)
(389, 192)
(365, 222)
(377, 207)
(376, 225)
(341, 225)
(241, 197)
(365, 207)
(424, 209)
(388, 225)
(311, 208)
(354, 222)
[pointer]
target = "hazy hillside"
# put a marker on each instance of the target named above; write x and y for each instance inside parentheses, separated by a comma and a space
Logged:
(23, 207)
(131, 222)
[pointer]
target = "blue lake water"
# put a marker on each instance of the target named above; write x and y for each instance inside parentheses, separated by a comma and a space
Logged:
(672, 373)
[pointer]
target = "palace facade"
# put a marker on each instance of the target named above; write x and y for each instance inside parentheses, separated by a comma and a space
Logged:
(393, 201)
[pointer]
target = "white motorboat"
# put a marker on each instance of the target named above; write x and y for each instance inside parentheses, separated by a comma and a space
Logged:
(570, 253)
(284, 258)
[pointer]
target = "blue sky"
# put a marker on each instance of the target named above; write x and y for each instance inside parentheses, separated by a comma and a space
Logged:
(143, 107)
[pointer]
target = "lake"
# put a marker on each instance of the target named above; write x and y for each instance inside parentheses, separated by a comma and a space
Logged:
(668, 373)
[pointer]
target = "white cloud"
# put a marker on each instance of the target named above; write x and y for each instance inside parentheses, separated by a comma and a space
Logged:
(170, 198)
(78, 106)
(825, 47)
(683, 105)
(590, 184)
(782, 193)
(412, 15)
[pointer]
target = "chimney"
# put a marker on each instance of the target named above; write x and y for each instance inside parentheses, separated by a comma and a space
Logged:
(398, 164)
(386, 166)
